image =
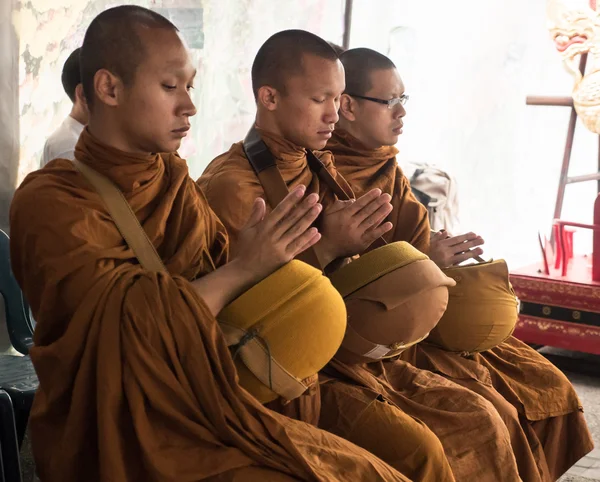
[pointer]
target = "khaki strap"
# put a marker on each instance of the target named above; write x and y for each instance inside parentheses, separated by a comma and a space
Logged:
(254, 355)
(125, 219)
(257, 358)
(264, 164)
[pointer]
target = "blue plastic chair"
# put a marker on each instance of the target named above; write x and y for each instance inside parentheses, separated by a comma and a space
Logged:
(17, 375)
(20, 323)
(9, 447)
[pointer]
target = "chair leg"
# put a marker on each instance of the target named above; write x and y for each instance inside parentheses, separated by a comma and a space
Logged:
(8, 440)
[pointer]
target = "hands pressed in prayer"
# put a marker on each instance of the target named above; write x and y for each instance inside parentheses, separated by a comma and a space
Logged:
(268, 241)
(349, 227)
(447, 250)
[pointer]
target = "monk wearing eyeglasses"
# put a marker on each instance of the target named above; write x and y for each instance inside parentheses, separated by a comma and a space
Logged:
(536, 401)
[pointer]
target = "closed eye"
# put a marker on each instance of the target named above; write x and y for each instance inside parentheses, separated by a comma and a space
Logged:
(169, 87)
(319, 101)
(190, 87)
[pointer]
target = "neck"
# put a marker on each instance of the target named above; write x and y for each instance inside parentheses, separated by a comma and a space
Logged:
(351, 129)
(107, 132)
(267, 123)
(78, 114)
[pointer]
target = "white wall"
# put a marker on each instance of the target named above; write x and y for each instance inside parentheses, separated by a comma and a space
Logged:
(468, 66)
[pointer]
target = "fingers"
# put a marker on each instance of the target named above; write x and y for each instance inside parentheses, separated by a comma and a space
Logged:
(308, 239)
(470, 254)
(284, 207)
(456, 240)
(298, 217)
(473, 243)
(300, 221)
(372, 234)
(364, 201)
(258, 213)
(376, 218)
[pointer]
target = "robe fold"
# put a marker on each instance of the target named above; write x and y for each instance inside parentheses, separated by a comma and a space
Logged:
(536, 400)
(136, 380)
(359, 401)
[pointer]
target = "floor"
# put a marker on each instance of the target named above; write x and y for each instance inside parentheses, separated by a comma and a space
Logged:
(584, 372)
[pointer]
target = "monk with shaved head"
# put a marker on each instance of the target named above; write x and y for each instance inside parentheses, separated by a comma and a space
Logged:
(535, 400)
(136, 379)
(430, 428)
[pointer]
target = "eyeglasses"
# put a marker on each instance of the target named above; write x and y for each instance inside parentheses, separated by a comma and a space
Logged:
(391, 103)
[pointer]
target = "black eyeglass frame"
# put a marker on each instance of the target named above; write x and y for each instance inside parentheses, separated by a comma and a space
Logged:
(402, 100)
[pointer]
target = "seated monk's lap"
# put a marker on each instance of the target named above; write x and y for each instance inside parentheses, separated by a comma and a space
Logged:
(360, 416)
(246, 474)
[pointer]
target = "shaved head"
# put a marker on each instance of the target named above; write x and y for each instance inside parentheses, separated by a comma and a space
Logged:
(339, 50)
(359, 64)
(281, 57)
(113, 42)
(71, 74)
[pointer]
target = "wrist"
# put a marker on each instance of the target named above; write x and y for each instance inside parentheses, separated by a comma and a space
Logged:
(244, 274)
(325, 252)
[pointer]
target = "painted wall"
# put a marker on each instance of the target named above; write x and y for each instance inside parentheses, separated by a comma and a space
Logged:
(223, 35)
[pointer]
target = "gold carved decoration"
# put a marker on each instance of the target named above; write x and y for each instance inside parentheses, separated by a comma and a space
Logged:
(575, 28)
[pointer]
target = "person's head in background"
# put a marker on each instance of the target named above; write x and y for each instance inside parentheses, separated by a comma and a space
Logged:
(137, 77)
(297, 81)
(71, 81)
(338, 49)
(372, 106)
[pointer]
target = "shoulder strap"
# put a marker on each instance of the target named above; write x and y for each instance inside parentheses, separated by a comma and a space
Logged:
(263, 162)
(125, 219)
(316, 166)
(252, 352)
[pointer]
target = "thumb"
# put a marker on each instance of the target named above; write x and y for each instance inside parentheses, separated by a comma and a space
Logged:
(339, 205)
(258, 213)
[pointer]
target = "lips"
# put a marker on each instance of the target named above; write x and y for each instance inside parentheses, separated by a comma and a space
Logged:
(325, 133)
(398, 130)
(181, 129)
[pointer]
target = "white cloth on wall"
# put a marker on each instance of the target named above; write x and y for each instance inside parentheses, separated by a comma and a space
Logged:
(61, 144)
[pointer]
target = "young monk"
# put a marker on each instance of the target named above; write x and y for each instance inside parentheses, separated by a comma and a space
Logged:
(536, 401)
(298, 80)
(136, 380)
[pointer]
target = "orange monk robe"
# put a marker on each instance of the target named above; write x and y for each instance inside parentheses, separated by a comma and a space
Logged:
(538, 394)
(136, 381)
(473, 436)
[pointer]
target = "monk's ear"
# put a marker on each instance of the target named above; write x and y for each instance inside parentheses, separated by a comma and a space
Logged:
(348, 107)
(108, 87)
(268, 97)
(79, 95)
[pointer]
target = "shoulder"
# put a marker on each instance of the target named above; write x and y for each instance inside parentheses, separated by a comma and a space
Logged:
(49, 193)
(227, 171)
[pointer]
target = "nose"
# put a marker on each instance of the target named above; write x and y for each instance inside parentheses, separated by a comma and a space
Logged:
(331, 115)
(399, 111)
(187, 107)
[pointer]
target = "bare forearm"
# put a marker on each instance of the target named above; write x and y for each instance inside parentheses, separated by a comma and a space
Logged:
(222, 286)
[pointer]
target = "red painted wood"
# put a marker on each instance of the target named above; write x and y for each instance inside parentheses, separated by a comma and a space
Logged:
(557, 334)
(576, 291)
(596, 242)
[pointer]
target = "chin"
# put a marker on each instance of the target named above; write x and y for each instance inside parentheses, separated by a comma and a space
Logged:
(316, 145)
(392, 141)
(168, 146)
